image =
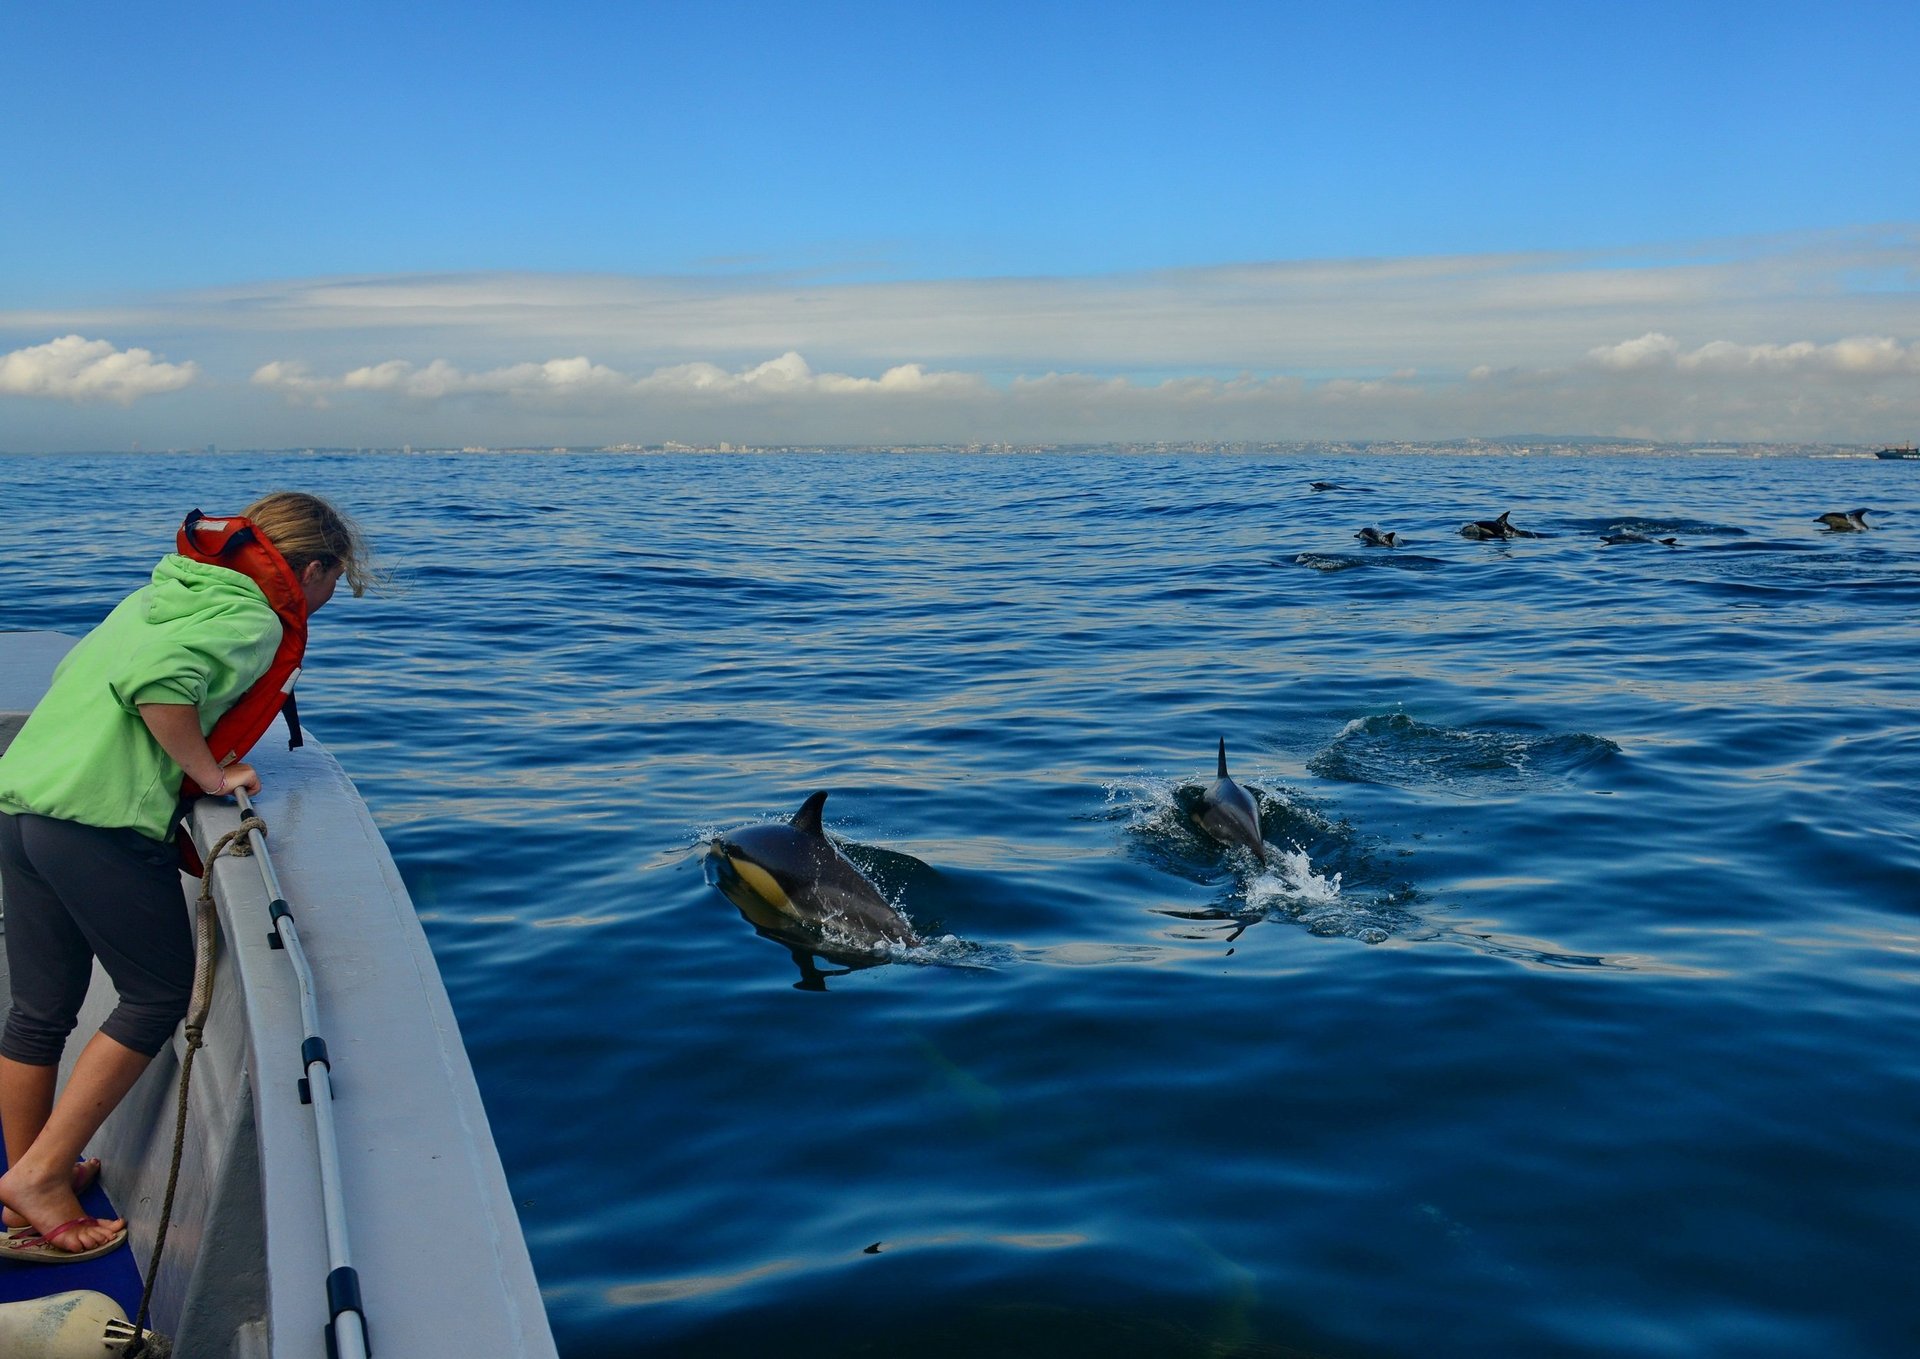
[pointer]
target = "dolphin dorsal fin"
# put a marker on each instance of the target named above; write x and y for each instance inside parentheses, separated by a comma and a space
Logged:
(1503, 516)
(807, 819)
(1223, 757)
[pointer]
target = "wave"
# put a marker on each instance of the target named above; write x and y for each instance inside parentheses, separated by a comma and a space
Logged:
(1396, 749)
(1347, 561)
(1657, 526)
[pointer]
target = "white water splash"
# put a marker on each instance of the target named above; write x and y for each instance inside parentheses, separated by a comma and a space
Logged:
(1146, 799)
(947, 950)
(1289, 881)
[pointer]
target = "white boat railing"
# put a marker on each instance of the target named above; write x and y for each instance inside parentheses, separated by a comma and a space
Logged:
(347, 1324)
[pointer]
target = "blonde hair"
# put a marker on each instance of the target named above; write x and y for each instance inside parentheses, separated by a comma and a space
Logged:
(304, 528)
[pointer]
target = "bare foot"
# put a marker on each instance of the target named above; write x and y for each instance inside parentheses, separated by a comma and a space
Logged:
(48, 1202)
(84, 1174)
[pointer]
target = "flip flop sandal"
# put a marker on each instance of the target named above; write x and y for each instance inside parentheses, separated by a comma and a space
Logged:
(29, 1246)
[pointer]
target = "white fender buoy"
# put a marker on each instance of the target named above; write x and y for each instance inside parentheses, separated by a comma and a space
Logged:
(77, 1325)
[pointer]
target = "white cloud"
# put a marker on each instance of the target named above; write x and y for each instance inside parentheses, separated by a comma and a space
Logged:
(553, 378)
(558, 380)
(791, 375)
(1436, 314)
(1814, 338)
(1866, 356)
(1649, 387)
(294, 381)
(76, 369)
(1651, 350)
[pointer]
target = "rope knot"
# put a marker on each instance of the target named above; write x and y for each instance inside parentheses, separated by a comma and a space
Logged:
(243, 847)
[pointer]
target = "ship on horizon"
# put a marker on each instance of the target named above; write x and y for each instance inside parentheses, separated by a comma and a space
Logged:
(1905, 452)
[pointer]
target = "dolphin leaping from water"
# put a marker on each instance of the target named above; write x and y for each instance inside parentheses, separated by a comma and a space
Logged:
(1373, 537)
(797, 871)
(1849, 521)
(1229, 814)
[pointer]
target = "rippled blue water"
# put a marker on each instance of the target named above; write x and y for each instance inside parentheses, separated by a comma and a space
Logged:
(1576, 1014)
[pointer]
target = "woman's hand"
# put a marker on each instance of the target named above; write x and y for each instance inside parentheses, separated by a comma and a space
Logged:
(236, 776)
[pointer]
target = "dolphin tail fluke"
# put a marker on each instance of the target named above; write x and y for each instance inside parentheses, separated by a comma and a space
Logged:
(807, 819)
(1223, 757)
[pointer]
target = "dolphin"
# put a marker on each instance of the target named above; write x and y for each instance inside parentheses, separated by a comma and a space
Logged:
(1326, 486)
(1851, 521)
(1229, 814)
(1634, 536)
(1373, 537)
(798, 872)
(1494, 528)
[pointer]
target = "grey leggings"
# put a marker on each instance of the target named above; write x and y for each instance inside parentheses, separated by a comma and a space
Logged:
(73, 893)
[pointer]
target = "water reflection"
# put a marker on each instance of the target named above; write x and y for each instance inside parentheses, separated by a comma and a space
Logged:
(686, 1287)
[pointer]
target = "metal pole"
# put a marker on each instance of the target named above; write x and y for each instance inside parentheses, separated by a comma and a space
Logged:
(343, 1289)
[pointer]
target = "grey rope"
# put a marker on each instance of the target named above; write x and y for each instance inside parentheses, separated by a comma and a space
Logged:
(234, 842)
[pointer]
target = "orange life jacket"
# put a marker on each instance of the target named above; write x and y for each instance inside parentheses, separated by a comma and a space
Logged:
(238, 545)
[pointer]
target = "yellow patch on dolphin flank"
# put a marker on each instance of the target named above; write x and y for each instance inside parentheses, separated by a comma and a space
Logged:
(763, 884)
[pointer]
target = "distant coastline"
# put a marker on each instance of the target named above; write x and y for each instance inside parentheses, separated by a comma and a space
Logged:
(1514, 446)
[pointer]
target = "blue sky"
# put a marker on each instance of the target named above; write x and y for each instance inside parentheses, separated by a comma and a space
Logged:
(179, 180)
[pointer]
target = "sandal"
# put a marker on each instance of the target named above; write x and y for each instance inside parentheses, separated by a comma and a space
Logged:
(25, 1244)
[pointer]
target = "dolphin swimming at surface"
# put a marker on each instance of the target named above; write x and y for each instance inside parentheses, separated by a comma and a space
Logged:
(1373, 537)
(1850, 521)
(797, 871)
(1229, 814)
(1634, 536)
(1494, 528)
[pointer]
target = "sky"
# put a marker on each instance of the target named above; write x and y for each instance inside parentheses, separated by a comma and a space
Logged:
(879, 223)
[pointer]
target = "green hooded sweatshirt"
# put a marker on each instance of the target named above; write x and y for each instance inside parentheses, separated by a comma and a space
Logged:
(198, 634)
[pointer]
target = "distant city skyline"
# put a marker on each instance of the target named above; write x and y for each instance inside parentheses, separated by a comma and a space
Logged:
(865, 224)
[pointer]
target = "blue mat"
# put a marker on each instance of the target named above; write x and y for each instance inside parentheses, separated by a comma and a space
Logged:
(116, 1274)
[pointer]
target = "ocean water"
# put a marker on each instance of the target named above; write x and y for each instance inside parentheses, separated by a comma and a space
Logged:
(1574, 1013)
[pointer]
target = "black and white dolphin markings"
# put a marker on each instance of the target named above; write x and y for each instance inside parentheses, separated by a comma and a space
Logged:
(1847, 521)
(1373, 537)
(798, 872)
(1228, 813)
(1494, 528)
